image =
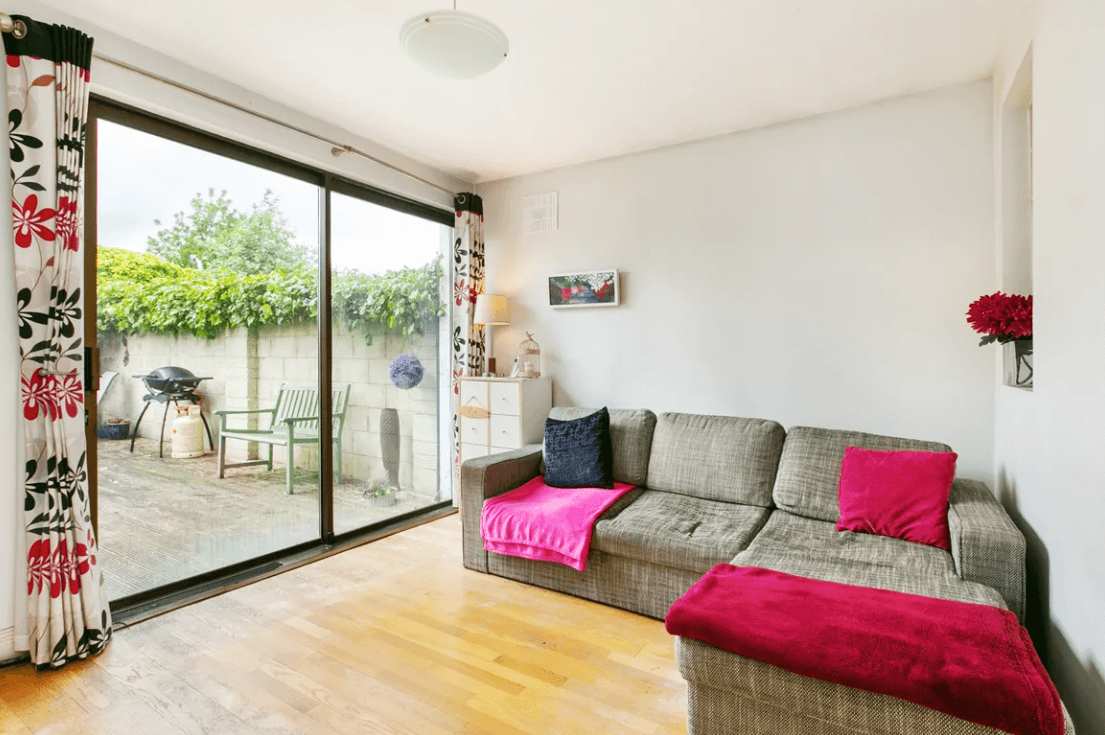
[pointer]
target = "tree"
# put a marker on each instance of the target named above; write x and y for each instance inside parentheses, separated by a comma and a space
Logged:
(215, 236)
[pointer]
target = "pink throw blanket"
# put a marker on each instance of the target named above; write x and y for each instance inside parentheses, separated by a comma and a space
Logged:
(546, 523)
(973, 662)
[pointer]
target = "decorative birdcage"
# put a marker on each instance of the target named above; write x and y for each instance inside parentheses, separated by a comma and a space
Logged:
(529, 358)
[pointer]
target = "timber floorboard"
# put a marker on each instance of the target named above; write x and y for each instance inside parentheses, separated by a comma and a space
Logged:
(391, 637)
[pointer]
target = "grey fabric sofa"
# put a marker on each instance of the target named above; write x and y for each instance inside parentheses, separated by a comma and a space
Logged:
(715, 489)
(708, 493)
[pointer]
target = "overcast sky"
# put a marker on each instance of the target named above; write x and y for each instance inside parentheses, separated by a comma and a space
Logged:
(143, 178)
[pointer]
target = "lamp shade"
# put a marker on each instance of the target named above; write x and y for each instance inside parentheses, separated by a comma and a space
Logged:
(453, 43)
(491, 310)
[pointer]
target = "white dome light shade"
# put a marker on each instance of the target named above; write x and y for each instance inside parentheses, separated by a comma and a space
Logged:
(453, 43)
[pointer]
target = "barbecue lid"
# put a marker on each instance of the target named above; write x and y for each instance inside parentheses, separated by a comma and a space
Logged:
(170, 379)
(169, 373)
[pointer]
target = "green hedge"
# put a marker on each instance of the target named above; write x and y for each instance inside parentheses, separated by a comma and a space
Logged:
(139, 293)
(117, 264)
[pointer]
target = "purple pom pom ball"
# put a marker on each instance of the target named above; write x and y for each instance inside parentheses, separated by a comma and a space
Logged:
(406, 371)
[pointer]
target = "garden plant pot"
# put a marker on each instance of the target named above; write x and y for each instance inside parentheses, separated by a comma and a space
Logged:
(383, 501)
(389, 444)
(114, 429)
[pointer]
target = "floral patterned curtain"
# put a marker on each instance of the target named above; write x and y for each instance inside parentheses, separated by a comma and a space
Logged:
(47, 93)
(467, 284)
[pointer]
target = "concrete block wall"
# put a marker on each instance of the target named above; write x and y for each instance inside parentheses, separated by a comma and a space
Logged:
(224, 359)
(248, 369)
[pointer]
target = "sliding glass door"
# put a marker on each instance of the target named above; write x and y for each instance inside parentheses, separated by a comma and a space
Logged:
(387, 272)
(216, 360)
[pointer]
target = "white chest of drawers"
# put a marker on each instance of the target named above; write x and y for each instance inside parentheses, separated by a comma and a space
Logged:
(500, 414)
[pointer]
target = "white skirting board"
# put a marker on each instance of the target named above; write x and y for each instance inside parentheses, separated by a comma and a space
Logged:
(7, 644)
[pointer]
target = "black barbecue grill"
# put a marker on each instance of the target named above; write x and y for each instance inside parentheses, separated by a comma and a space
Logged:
(170, 385)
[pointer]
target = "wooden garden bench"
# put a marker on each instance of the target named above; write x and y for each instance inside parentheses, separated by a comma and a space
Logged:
(293, 420)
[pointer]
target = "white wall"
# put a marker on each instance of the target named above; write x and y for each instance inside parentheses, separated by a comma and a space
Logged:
(815, 273)
(131, 88)
(1049, 442)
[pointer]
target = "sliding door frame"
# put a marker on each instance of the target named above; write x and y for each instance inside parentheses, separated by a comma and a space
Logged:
(102, 108)
(325, 372)
(92, 351)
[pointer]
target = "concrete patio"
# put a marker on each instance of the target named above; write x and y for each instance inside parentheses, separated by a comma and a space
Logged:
(162, 520)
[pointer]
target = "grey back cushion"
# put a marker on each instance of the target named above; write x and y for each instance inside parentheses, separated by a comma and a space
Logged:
(808, 482)
(630, 437)
(716, 457)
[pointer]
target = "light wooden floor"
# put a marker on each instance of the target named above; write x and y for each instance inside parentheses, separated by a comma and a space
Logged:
(392, 637)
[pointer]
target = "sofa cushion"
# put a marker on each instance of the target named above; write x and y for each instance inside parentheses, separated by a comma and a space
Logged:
(808, 479)
(678, 531)
(722, 458)
(630, 438)
(811, 548)
(897, 494)
(578, 453)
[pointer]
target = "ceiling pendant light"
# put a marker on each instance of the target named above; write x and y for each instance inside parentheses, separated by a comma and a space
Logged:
(453, 43)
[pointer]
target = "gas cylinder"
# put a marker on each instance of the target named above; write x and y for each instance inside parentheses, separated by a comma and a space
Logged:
(187, 432)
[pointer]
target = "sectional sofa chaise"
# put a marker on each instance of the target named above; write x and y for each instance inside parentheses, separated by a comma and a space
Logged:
(719, 489)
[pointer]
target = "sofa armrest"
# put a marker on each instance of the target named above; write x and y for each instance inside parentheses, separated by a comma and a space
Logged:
(486, 477)
(987, 546)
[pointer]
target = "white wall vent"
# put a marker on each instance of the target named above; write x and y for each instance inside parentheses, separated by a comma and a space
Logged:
(539, 212)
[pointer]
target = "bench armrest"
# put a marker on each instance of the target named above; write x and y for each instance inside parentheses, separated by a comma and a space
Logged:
(298, 419)
(486, 477)
(987, 546)
(243, 412)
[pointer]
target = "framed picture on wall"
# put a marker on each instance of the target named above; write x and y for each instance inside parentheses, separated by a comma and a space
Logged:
(589, 288)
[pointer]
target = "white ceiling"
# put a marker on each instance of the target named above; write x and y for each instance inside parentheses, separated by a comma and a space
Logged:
(585, 79)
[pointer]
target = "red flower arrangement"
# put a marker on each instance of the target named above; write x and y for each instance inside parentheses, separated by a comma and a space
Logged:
(1001, 317)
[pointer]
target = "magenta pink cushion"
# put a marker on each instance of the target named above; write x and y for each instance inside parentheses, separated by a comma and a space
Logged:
(898, 494)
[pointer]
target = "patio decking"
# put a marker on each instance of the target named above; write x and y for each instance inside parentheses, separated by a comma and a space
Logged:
(162, 520)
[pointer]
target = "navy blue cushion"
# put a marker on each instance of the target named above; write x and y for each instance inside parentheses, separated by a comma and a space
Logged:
(579, 453)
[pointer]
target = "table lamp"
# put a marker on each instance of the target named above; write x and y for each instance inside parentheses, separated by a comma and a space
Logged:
(491, 310)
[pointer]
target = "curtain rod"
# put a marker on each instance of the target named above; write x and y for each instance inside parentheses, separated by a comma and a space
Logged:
(338, 148)
(15, 27)
(19, 29)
